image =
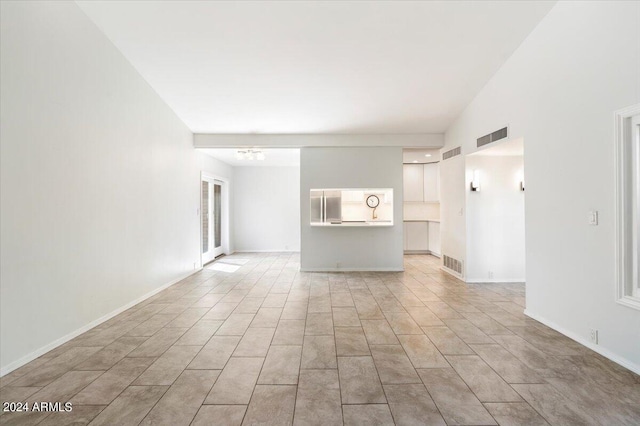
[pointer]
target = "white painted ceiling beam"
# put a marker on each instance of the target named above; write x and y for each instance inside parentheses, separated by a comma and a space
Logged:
(422, 140)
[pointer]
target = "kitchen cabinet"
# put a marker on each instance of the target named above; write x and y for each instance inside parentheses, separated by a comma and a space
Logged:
(416, 236)
(431, 184)
(413, 175)
(421, 182)
(434, 238)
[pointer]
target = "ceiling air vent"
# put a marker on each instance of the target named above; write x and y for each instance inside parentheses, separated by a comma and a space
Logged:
(451, 153)
(492, 137)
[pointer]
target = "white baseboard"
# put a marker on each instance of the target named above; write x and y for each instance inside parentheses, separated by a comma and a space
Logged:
(267, 251)
(628, 364)
(347, 269)
(64, 339)
(493, 281)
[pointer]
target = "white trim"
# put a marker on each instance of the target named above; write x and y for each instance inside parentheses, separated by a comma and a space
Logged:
(492, 281)
(349, 269)
(64, 339)
(628, 364)
(620, 118)
(267, 251)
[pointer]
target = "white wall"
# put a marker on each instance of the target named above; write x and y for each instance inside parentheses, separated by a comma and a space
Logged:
(100, 181)
(365, 248)
(495, 220)
(266, 208)
(559, 91)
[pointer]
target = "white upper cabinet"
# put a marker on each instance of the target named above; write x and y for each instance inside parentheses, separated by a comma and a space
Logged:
(413, 182)
(353, 196)
(422, 182)
(431, 182)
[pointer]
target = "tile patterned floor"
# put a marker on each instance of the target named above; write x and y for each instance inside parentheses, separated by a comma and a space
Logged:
(251, 340)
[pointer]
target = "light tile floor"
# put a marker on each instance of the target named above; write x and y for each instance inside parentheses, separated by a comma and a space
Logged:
(251, 340)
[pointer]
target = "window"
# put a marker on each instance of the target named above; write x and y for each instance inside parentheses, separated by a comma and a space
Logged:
(627, 128)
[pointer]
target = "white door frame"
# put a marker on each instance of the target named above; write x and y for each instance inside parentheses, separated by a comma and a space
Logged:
(224, 213)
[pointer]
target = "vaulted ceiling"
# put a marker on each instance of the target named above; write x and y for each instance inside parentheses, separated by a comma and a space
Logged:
(317, 67)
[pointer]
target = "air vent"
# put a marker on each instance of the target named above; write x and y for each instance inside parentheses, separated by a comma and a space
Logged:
(492, 137)
(451, 153)
(452, 264)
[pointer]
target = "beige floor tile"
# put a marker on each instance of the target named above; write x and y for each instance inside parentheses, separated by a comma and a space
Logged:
(447, 342)
(551, 404)
(345, 317)
(56, 367)
(351, 341)
(282, 366)
(108, 356)
(318, 400)
(188, 318)
(81, 415)
(108, 386)
(166, 369)
(457, 404)
(294, 310)
(393, 365)
(64, 387)
(468, 332)
(289, 332)
(255, 342)
(249, 305)
(402, 323)
(215, 415)
(179, 405)
(421, 352)
(235, 325)
(359, 381)
(271, 405)
(367, 415)
(378, 332)
(318, 352)
(215, 354)
(151, 326)
(157, 344)
(412, 405)
(515, 414)
(131, 406)
(220, 311)
(267, 317)
(319, 324)
(483, 381)
(236, 382)
(506, 365)
(200, 333)
(275, 300)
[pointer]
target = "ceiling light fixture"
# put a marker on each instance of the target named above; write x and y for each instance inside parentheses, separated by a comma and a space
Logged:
(250, 154)
(427, 155)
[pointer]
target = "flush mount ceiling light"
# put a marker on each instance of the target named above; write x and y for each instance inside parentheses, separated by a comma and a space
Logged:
(250, 154)
(427, 155)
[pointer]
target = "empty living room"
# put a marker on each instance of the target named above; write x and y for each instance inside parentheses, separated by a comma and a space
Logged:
(319, 212)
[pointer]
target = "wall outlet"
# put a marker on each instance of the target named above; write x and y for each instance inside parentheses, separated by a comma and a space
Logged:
(593, 336)
(593, 217)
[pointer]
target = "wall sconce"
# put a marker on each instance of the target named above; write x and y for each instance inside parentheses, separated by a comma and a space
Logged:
(475, 183)
(520, 180)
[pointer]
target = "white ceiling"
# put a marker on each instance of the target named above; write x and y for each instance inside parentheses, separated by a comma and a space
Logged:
(508, 148)
(277, 157)
(316, 67)
(420, 155)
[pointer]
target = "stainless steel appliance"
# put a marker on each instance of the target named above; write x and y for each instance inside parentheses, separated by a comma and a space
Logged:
(326, 206)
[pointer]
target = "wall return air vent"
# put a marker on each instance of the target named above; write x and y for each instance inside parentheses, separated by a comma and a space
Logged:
(451, 153)
(452, 264)
(492, 137)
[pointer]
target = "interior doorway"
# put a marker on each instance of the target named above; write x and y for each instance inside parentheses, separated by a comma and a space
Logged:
(214, 229)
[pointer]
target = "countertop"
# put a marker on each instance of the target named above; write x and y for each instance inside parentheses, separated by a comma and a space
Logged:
(354, 224)
(422, 220)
